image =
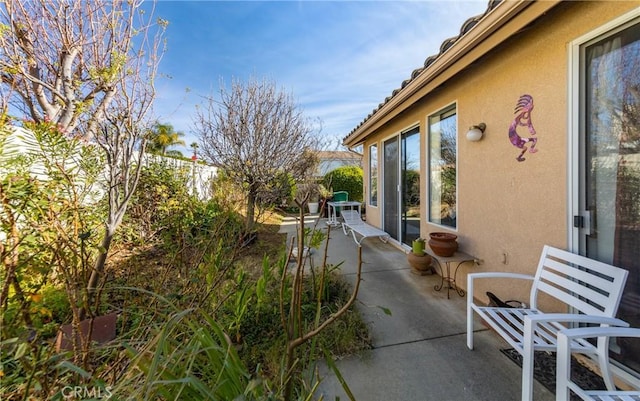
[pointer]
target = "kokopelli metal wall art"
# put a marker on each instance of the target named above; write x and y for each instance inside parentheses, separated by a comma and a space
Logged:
(523, 119)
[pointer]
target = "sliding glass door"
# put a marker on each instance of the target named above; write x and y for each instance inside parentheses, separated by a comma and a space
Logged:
(609, 166)
(401, 165)
(410, 177)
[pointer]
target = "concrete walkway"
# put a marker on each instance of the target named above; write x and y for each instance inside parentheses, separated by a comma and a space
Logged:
(419, 351)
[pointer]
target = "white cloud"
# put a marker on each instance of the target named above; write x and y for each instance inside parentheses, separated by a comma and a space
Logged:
(339, 59)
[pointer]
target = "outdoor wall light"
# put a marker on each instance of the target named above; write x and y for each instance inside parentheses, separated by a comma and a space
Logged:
(475, 132)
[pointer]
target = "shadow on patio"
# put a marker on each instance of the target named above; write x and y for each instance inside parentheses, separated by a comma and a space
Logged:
(419, 352)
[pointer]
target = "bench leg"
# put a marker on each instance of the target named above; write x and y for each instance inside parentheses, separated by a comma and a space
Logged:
(563, 369)
(469, 314)
(527, 362)
(603, 360)
(470, 328)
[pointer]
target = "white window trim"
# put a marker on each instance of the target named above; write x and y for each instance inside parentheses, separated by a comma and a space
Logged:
(427, 167)
(376, 144)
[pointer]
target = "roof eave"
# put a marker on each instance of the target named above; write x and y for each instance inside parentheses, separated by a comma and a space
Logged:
(491, 22)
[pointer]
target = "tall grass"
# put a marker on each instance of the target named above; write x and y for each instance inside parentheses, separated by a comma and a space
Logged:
(188, 358)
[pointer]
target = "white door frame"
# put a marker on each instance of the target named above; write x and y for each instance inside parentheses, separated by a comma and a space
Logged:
(576, 240)
(575, 177)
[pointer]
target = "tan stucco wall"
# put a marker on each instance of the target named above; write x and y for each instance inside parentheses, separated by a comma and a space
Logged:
(509, 209)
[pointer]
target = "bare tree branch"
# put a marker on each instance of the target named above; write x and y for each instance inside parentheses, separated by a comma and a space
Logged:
(64, 60)
(254, 132)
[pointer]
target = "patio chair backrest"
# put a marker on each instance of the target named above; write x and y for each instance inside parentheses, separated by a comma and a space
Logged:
(589, 286)
(351, 217)
(341, 196)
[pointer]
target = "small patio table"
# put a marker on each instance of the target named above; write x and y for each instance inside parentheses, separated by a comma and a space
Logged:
(333, 215)
(460, 258)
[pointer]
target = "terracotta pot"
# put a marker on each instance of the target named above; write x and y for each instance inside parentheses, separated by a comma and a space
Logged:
(420, 263)
(103, 330)
(443, 244)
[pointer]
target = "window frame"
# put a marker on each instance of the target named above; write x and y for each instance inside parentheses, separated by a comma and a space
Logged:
(373, 175)
(576, 205)
(443, 113)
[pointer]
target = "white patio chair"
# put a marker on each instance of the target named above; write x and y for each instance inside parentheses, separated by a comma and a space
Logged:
(353, 222)
(564, 384)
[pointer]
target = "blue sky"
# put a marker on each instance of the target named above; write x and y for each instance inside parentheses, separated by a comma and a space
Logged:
(339, 59)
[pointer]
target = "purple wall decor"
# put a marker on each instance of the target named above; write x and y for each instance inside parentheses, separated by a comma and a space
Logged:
(523, 119)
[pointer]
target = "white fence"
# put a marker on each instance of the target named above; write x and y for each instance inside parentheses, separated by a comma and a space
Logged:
(198, 176)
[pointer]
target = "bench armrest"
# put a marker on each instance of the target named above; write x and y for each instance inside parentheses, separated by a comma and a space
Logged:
(474, 276)
(531, 321)
(591, 332)
(573, 318)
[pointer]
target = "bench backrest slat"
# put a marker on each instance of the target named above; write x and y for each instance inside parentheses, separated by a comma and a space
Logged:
(577, 274)
(573, 285)
(589, 286)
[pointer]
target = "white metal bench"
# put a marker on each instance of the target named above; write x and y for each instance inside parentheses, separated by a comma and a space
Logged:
(564, 384)
(590, 289)
(353, 223)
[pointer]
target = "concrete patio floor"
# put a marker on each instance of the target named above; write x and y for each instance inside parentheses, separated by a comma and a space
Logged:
(419, 351)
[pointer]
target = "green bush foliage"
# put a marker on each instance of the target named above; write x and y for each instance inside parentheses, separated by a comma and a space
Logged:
(259, 331)
(52, 220)
(161, 192)
(277, 192)
(194, 321)
(346, 178)
(163, 210)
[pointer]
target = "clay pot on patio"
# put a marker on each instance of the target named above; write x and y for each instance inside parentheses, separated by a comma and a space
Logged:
(420, 263)
(443, 244)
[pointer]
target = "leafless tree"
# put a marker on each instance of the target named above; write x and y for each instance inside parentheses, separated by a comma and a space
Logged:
(66, 60)
(123, 136)
(88, 66)
(254, 133)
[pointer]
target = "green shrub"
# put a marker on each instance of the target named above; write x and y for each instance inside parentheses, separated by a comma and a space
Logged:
(53, 221)
(262, 336)
(161, 192)
(163, 209)
(277, 192)
(346, 178)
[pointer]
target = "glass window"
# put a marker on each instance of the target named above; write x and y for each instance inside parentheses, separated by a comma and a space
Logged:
(373, 175)
(442, 167)
(410, 181)
(611, 165)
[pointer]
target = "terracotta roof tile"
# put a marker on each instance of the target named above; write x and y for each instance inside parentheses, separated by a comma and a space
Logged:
(446, 45)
